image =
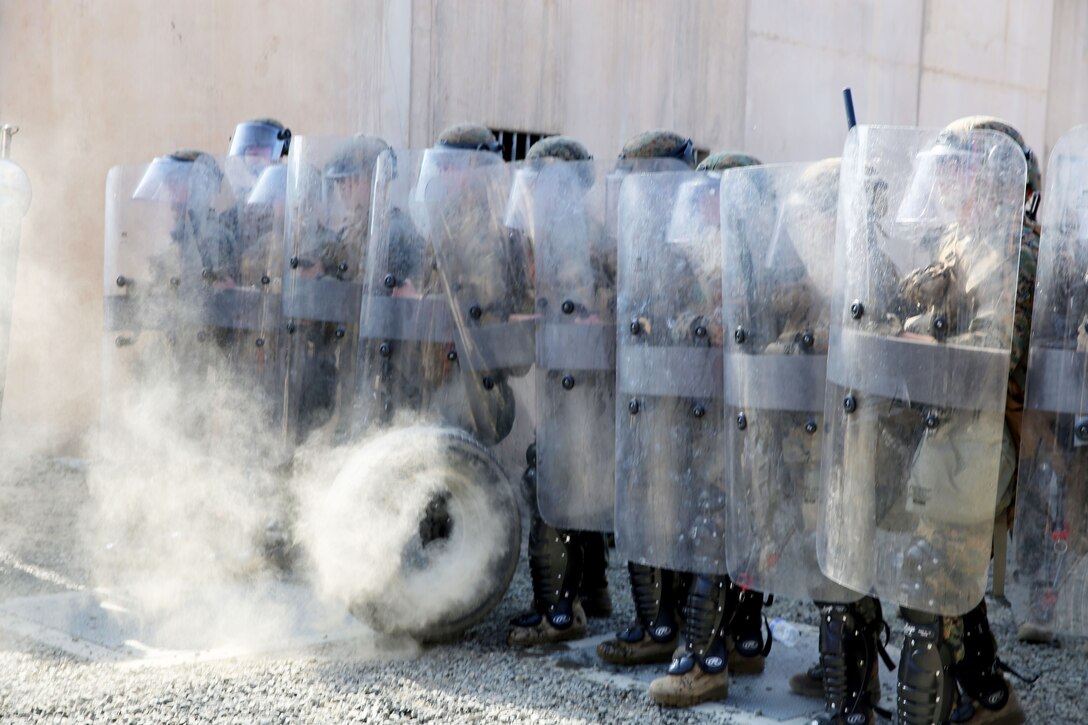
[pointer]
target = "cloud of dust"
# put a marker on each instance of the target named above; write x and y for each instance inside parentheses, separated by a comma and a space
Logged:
(361, 528)
(193, 493)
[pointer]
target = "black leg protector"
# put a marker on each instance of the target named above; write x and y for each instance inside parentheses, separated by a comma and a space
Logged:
(595, 553)
(849, 647)
(703, 633)
(925, 689)
(751, 636)
(654, 592)
(978, 675)
(555, 565)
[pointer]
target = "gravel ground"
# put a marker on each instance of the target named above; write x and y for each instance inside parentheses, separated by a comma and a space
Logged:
(477, 679)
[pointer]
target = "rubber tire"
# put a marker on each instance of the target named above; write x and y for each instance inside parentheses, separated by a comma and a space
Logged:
(495, 580)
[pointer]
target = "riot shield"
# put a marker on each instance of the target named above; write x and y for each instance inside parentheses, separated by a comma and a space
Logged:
(575, 266)
(670, 487)
(190, 292)
(441, 289)
(921, 328)
(14, 202)
(1049, 582)
(327, 232)
(484, 269)
(778, 237)
(410, 361)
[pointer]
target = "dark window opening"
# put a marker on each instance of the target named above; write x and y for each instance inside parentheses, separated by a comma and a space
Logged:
(516, 144)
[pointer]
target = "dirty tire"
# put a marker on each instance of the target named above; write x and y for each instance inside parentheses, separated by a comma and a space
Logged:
(479, 497)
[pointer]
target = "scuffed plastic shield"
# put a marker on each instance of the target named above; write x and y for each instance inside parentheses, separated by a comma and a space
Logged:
(575, 263)
(778, 234)
(1049, 582)
(329, 189)
(411, 364)
(484, 266)
(670, 485)
(921, 327)
(192, 301)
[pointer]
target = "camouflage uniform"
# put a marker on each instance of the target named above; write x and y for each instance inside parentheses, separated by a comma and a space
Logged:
(568, 567)
(324, 353)
(658, 593)
(929, 300)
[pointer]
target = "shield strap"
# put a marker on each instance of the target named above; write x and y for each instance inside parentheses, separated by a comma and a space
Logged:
(499, 346)
(942, 375)
(678, 372)
(576, 347)
(1054, 378)
(775, 382)
(426, 319)
(235, 309)
(327, 300)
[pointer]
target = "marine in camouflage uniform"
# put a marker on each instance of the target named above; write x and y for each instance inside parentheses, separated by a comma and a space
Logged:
(340, 255)
(1052, 502)
(927, 302)
(722, 625)
(568, 567)
(774, 519)
(423, 375)
(658, 593)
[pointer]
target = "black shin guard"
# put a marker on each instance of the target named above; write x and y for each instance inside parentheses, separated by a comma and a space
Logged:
(925, 688)
(751, 636)
(849, 648)
(555, 565)
(703, 633)
(655, 607)
(595, 553)
(978, 675)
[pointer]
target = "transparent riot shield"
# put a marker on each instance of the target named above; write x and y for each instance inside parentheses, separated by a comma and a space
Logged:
(410, 363)
(485, 272)
(1049, 582)
(921, 327)
(670, 485)
(575, 264)
(189, 427)
(184, 316)
(327, 232)
(14, 201)
(778, 236)
(440, 290)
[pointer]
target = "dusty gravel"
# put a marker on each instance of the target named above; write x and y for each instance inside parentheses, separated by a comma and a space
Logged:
(476, 680)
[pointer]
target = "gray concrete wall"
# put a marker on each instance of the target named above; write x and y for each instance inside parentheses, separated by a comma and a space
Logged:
(94, 84)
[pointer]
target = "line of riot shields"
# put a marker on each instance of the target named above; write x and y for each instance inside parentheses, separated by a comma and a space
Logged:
(791, 374)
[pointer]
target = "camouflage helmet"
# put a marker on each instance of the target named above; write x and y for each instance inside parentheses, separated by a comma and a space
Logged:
(659, 145)
(954, 132)
(818, 186)
(260, 133)
(560, 148)
(356, 156)
(810, 215)
(469, 137)
(725, 160)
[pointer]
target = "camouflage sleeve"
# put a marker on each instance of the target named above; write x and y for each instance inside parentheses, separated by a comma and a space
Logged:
(1025, 297)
